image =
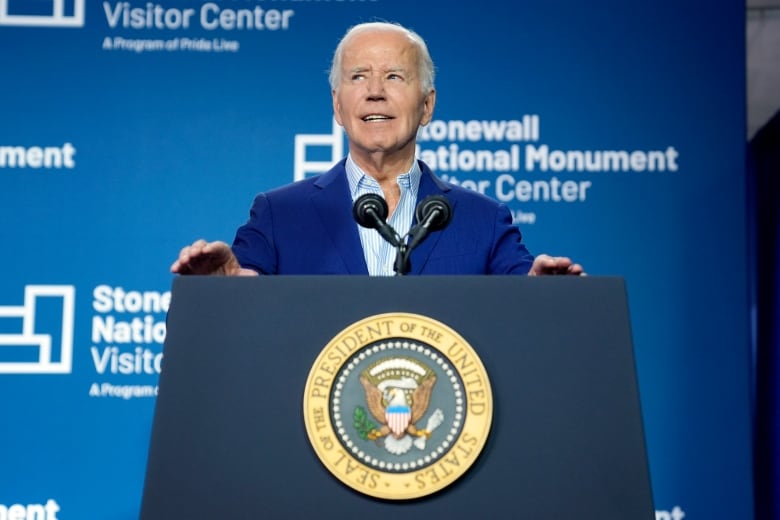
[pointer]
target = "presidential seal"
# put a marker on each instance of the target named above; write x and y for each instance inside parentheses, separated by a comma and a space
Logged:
(398, 406)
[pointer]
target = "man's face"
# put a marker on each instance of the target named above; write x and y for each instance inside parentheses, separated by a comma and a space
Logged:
(379, 101)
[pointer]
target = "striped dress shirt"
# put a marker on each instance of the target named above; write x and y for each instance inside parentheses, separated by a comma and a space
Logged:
(379, 254)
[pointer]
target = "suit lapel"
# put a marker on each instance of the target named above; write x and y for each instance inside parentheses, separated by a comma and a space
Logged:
(429, 185)
(332, 204)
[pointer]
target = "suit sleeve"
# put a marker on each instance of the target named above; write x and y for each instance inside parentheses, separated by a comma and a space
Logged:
(253, 244)
(509, 254)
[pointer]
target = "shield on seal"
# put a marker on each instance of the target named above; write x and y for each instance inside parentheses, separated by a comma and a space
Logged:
(398, 417)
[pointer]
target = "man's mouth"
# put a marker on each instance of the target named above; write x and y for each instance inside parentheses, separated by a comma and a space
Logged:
(376, 117)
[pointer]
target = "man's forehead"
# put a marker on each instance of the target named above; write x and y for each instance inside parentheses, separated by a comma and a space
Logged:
(368, 68)
(379, 57)
(385, 42)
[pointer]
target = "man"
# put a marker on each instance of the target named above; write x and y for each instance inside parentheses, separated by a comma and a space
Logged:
(382, 88)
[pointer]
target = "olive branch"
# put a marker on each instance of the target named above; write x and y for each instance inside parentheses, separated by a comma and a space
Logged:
(362, 423)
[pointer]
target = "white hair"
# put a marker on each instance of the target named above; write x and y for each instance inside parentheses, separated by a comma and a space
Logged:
(426, 70)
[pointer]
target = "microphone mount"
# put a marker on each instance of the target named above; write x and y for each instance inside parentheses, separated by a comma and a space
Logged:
(432, 214)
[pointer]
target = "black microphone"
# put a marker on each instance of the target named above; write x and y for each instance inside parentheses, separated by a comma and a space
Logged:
(370, 211)
(433, 213)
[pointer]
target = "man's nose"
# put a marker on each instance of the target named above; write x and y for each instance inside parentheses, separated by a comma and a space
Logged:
(375, 86)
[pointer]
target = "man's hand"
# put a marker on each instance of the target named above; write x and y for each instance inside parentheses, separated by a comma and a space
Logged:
(209, 258)
(546, 264)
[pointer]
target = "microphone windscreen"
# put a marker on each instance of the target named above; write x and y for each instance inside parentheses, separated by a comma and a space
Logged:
(370, 210)
(436, 208)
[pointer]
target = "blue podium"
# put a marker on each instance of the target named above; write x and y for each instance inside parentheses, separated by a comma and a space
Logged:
(566, 439)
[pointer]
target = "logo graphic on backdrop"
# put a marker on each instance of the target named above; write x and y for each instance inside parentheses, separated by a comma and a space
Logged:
(52, 13)
(398, 406)
(41, 341)
(303, 142)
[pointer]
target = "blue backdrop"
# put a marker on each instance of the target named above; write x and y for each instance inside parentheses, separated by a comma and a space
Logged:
(614, 131)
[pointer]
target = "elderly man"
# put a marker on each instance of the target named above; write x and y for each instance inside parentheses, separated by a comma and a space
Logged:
(382, 85)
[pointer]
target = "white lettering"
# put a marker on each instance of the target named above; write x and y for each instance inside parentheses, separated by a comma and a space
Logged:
(47, 511)
(544, 159)
(38, 157)
(108, 299)
(212, 18)
(481, 186)
(513, 130)
(508, 188)
(139, 361)
(675, 514)
(153, 16)
(122, 391)
(521, 217)
(135, 45)
(107, 329)
(452, 158)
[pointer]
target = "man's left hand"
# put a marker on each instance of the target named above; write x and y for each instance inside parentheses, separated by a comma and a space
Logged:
(547, 265)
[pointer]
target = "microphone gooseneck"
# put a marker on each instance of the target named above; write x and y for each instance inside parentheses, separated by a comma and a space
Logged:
(432, 214)
(370, 211)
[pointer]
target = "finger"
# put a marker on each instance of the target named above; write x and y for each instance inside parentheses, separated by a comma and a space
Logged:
(215, 247)
(182, 260)
(559, 265)
(187, 253)
(545, 263)
(180, 268)
(184, 254)
(199, 245)
(181, 265)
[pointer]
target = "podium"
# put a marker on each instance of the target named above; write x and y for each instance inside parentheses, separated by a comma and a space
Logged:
(566, 440)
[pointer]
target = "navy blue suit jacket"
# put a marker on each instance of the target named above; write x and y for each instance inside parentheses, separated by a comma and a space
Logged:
(307, 228)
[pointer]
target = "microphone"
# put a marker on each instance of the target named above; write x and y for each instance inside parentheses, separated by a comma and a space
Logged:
(370, 211)
(433, 213)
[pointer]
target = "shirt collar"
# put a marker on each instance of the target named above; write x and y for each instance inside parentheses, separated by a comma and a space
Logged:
(359, 180)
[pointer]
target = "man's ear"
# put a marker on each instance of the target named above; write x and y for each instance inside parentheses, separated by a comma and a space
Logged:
(336, 107)
(428, 104)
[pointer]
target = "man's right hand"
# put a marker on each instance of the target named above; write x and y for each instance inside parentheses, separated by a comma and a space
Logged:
(209, 258)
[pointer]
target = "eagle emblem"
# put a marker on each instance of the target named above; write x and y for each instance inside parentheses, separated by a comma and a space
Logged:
(391, 415)
(398, 391)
